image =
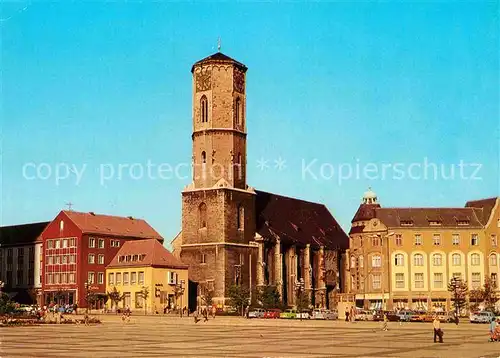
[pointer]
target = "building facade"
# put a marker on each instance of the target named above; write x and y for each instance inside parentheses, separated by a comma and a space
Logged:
(228, 236)
(148, 277)
(20, 261)
(405, 257)
(77, 247)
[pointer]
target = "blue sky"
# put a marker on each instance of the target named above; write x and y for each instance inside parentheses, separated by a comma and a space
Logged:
(332, 84)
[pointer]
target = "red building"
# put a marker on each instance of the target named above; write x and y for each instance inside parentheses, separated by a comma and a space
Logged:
(77, 247)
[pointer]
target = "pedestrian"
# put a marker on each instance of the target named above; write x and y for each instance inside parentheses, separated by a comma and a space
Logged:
(195, 315)
(384, 327)
(346, 315)
(214, 311)
(205, 315)
(493, 326)
(437, 329)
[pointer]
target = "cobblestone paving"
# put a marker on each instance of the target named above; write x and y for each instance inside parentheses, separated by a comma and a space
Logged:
(237, 337)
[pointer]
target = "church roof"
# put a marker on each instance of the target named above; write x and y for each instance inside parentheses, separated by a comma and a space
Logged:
(297, 221)
(148, 253)
(219, 57)
(365, 212)
(21, 234)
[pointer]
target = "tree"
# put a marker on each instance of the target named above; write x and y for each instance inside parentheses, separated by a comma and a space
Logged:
(458, 290)
(145, 294)
(115, 297)
(490, 296)
(268, 296)
(6, 304)
(239, 297)
(207, 296)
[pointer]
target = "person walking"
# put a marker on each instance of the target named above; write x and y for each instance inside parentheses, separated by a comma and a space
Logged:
(346, 315)
(384, 326)
(437, 329)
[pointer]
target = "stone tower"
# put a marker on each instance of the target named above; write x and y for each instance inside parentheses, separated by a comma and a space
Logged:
(218, 208)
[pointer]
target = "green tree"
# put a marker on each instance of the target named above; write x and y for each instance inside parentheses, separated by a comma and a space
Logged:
(459, 291)
(268, 296)
(6, 304)
(303, 301)
(115, 297)
(239, 297)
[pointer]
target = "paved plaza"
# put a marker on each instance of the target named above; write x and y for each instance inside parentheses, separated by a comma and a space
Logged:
(158, 336)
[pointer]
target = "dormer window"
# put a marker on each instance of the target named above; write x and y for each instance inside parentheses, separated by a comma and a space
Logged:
(135, 258)
(463, 222)
(406, 222)
(121, 258)
(435, 222)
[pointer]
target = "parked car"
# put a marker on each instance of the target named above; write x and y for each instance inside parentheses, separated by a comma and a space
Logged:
(361, 315)
(418, 316)
(482, 317)
(303, 315)
(405, 316)
(378, 316)
(318, 314)
(273, 313)
(445, 317)
(290, 313)
(256, 313)
(332, 314)
(392, 317)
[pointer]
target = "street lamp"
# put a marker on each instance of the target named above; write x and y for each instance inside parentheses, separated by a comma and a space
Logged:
(299, 287)
(180, 290)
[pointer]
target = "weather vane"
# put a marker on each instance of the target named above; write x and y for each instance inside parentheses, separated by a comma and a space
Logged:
(218, 44)
(69, 205)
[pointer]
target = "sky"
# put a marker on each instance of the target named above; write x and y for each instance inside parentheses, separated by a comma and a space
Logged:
(401, 97)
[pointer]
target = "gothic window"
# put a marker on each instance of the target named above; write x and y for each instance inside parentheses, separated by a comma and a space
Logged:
(241, 217)
(204, 109)
(203, 215)
(238, 111)
(203, 157)
(238, 170)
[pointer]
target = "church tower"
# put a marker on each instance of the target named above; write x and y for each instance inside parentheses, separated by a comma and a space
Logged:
(218, 208)
(219, 133)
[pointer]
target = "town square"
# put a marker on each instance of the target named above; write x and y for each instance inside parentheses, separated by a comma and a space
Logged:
(250, 180)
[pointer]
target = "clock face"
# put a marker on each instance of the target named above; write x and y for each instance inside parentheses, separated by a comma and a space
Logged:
(203, 81)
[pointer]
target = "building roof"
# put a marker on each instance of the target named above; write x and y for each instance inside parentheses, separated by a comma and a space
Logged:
(485, 207)
(21, 234)
(219, 57)
(365, 212)
(91, 223)
(422, 217)
(297, 221)
(155, 254)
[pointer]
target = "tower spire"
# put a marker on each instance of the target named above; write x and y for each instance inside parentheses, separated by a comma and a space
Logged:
(218, 44)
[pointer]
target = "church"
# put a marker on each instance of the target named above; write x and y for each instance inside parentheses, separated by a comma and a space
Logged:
(234, 234)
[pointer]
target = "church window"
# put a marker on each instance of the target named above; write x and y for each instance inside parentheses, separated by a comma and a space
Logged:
(204, 109)
(203, 215)
(203, 157)
(238, 111)
(241, 217)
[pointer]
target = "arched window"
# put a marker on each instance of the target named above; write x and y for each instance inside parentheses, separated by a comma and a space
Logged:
(202, 214)
(456, 260)
(241, 217)
(204, 109)
(353, 262)
(418, 260)
(399, 260)
(437, 260)
(376, 261)
(474, 259)
(493, 259)
(203, 157)
(237, 111)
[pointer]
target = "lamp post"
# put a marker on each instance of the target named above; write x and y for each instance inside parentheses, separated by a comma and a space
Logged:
(180, 290)
(299, 288)
(87, 295)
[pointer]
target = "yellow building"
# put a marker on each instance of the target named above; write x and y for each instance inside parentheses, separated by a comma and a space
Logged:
(148, 277)
(405, 257)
